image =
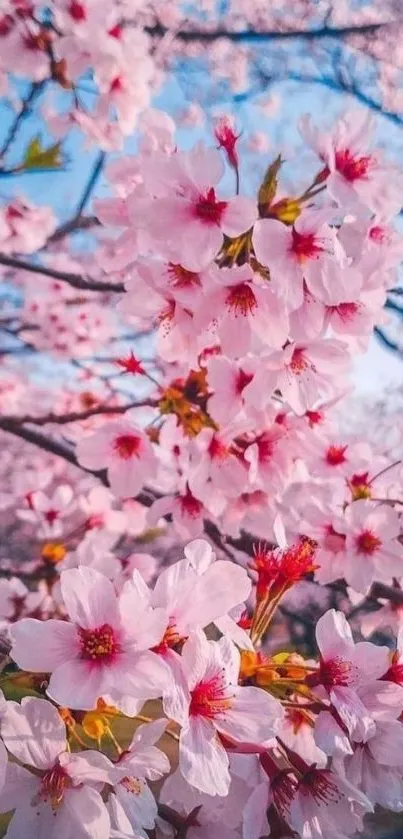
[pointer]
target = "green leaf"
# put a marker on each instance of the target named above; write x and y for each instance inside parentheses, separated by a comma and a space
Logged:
(268, 187)
(38, 156)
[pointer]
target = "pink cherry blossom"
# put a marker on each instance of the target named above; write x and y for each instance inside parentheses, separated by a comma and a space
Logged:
(309, 251)
(57, 797)
(243, 312)
(49, 513)
(356, 172)
(194, 592)
(373, 552)
(102, 650)
(187, 200)
(305, 372)
(131, 805)
(344, 667)
(124, 451)
(210, 702)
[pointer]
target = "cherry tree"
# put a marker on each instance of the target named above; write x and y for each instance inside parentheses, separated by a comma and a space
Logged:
(196, 538)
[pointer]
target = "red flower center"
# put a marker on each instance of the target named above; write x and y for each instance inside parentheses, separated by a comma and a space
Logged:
(115, 31)
(242, 380)
(99, 645)
(265, 446)
(345, 311)
(395, 672)
(133, 785)
(352, 167)
(360, 485)
(241, 300)
(6, 24)
(320, 785)
(367, 543)
(208, 210)
(51, 516)
(305, 246)
(209, 699)
(336, 671)
(283, 789)
(190, 505)
(77, 11)
(297, 719)
(335, 455)
(54, 784)
(116, 85)
(127, 446)
(314, 417)
(182, 278)
(170, 639)
(279, 570)
(298, 362)
(217, 449)
(379, 234)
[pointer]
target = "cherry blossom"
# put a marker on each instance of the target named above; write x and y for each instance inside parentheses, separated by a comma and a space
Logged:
(99, 652)
(56, 798)
(178, 344)
(345, 666)
(124, 450)
(187, 197)
(371, 530)
(356, 172)
(209, 702)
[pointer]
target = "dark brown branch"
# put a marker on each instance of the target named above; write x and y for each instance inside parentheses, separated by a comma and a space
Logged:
(146, 498)
(41, 440)
(73, 225)
(245, 35)
(384, 592)
(74, 280)
(181, 824)
(77, 416)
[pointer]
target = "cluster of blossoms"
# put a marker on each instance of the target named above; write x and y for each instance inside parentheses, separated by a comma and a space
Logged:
(121, 670)
(74, 40)
(242, 740)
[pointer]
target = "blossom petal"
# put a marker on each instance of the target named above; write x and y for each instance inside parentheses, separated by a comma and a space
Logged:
(89, 597)
(203, 761)
(41, 646)
(77, 685)
(33, 732)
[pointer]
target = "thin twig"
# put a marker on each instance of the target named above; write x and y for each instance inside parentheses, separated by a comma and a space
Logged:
(73, 225)
(78, 416)
(74, 280)
(92, 181)
(26, 108)
(244, 543)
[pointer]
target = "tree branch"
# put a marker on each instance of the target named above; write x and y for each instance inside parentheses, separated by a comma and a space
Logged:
(26, 108)
(37, 439)
(384, 592)
(244, 543)
(73, 225)
(323, 81)
(206, 36)
(75, 280)
(92, 181)
(387, 342)
(77, 416)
